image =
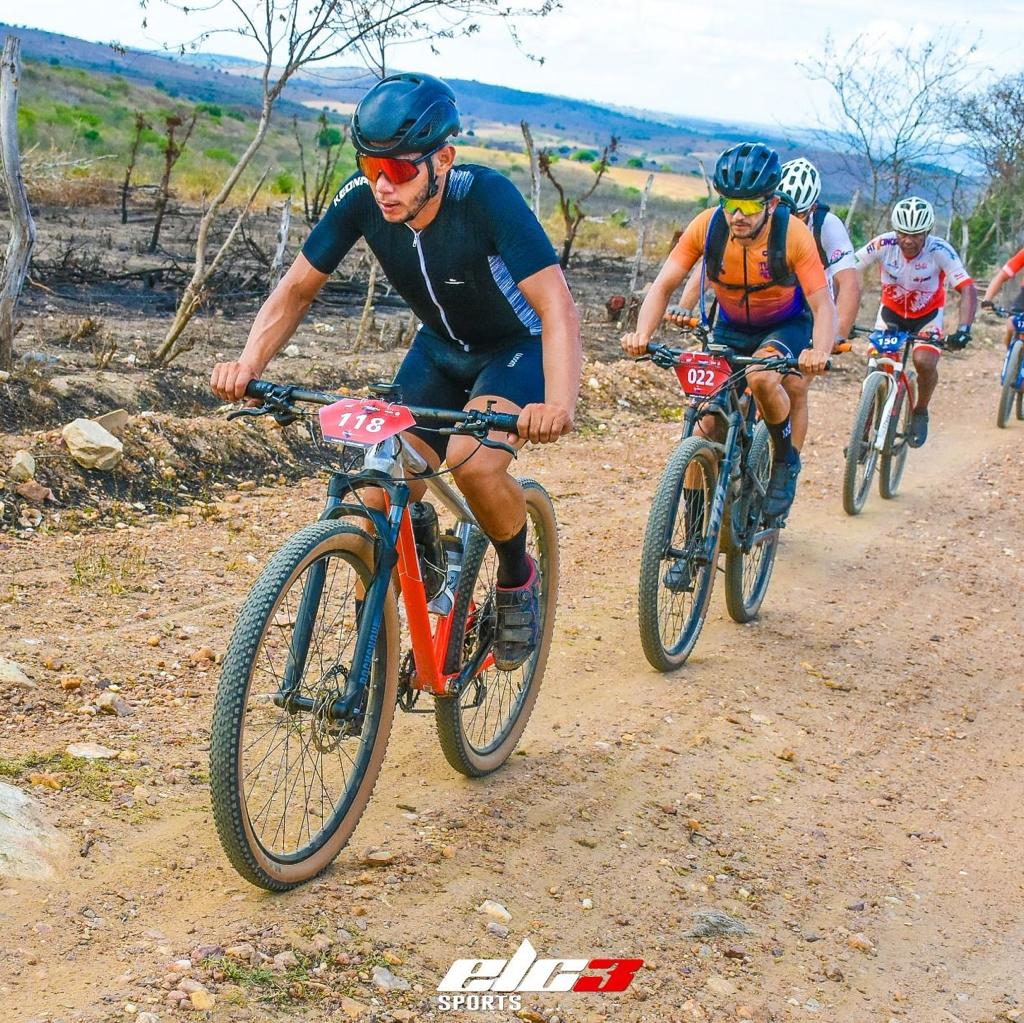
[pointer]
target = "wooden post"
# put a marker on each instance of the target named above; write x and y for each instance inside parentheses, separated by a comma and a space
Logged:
(23, 228)
(853, 208)
(366, 319)
(641, 238)
(531, 152)
(277, 264)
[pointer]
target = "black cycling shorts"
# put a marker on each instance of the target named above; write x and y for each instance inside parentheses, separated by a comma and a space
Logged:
(437, 374)
(790, 337)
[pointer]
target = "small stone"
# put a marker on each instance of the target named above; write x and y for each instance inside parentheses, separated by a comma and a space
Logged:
(861, 943)
(147, 1017)
(353, 1009)
(71, 682)
(111, 703)
(587, 903)
(285, 960)
(153, 641)
(495, 910)
(586, 841)
(833, 972)
(203, 654)
(23, 467)
(708, 923)
(243, 952)
(856, 907)
(90, 751)
(384, 980)
(292, 351)
(203, 1001)
(52, 661)
(498, 930)
(91, 446)
(786, 754)
(373, 857)
(812, 1005)
(720, 986)
(34, 493)
(11, 674)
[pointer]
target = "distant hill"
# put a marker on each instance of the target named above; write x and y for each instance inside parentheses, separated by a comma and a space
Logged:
(491, 113)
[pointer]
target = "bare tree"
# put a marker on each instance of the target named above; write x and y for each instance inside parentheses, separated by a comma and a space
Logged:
(319, 180)
(23, 228)
(886, 114)
(294, 34)
(571, 209)
(173, 148)
(531, 152)
(141, 125)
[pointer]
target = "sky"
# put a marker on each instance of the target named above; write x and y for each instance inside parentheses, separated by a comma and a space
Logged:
(736, 61)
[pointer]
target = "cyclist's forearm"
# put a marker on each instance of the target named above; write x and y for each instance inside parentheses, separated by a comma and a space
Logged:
(275, 324)
(826, 322)
(563, 362)
(847, 284)
(995, 285)
(653, 308)
(968, 305)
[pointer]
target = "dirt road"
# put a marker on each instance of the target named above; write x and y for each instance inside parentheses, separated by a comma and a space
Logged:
(842, 777)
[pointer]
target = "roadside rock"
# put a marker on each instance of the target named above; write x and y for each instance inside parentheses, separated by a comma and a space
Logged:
(495, 910)
(23, 467)
(111, 703)
(30, 847)
(91, 446)
(709, 923)
(385, 980)
(12, 675)
(90, 751)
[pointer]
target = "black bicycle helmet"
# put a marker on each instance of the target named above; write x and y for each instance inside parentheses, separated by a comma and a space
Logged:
(405, 113)
(747, 171)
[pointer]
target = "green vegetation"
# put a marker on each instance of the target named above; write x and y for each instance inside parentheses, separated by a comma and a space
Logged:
(87, 114)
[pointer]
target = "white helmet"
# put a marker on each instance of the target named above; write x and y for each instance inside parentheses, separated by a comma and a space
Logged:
(913, 215)
(800, 184)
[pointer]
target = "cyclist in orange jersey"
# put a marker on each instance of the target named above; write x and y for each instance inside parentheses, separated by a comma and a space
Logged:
(1011, 268)
(772, 295)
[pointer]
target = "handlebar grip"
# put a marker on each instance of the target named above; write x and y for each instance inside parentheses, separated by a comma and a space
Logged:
(504, 421)
(258, 388)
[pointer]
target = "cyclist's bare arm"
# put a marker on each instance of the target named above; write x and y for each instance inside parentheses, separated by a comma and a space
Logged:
(653, 309)
(823, 337)
(968, 303)
(275, 323)
(690, 298)
(995, 285)
(549, 295)
(847, 285)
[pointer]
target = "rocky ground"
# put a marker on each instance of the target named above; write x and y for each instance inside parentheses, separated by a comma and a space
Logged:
(839, 782)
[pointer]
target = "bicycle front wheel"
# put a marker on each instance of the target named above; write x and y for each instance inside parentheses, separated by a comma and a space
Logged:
(748, 571)
(479, 728)
(861, 453)
(1009, 393)
(676, 578)
(289, 774)
(894, 451)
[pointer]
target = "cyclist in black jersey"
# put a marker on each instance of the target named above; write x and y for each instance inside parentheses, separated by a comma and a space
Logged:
(498, 324)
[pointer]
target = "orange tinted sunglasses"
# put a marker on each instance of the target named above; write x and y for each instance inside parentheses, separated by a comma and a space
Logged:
(397, 170)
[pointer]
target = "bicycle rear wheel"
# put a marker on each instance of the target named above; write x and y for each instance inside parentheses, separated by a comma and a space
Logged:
(675, 580)
(747, 574)
(861, 453)
(479, 728)
(289, 779)
(1009, 393)
(896, 447)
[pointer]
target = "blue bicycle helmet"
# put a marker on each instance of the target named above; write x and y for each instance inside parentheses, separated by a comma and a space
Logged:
(750, 170)
(405, 113)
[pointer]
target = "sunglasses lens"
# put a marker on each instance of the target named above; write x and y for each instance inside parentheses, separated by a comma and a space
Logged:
(398, 172)
(748, 207)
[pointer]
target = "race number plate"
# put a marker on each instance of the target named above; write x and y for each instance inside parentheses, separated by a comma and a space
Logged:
(701, 374)
(364, 421)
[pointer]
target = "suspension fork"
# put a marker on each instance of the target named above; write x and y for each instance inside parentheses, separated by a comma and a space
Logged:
(726, 464)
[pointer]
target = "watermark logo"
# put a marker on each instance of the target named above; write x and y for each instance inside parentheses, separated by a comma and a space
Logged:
(499, 984)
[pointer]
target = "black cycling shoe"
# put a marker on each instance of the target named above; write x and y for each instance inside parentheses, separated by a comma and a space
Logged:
(517, 630)
(918, 429)
(678, 578)
(781, 488)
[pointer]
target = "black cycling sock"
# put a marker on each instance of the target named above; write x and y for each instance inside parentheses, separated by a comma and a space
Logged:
(782, 441)
(513, 565)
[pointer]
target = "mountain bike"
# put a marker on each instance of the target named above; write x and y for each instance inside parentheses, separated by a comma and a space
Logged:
(881, 424)
(710, 498)
(315, 665)
(1012, 377)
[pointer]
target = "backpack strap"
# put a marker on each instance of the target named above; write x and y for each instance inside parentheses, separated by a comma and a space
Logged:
(817, 220)
(777, 265)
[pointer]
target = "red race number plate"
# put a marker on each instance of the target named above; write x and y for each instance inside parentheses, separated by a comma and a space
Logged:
(363, 421)
(701, 374)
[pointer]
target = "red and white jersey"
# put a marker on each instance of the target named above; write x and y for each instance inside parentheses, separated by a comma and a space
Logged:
(1014, 264)
(915, 287)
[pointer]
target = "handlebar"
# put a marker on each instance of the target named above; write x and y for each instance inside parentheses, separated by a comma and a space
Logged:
(279, 399)
(931, 336)
(663, 355)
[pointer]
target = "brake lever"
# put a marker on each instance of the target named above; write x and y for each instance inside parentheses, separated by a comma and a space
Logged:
(253, 410)
(498, 445)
